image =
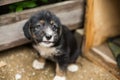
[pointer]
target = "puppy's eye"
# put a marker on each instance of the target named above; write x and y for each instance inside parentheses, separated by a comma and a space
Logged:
(54, 27)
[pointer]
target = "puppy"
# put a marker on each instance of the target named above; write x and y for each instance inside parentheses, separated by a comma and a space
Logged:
(52, 41)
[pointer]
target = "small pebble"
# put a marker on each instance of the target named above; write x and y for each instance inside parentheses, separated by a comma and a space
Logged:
(33, 73)
(18, 76)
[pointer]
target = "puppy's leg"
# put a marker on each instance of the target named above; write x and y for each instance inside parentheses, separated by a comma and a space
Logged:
(60, 73)
(39, 63)
(73, 67)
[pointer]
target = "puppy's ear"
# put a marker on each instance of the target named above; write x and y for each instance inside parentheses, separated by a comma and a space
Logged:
(26, 30)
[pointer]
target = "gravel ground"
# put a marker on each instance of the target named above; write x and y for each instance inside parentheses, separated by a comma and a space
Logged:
(19, 67)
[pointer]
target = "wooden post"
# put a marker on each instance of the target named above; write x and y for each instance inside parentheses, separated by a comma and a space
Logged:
(89, 23)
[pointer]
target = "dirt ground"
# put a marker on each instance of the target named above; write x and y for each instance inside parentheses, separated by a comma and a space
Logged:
(19, 63)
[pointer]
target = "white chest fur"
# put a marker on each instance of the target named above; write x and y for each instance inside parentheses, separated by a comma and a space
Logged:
(46, 51)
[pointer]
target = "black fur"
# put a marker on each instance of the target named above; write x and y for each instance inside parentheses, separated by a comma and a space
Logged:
(26, 29)
(69, 50)
(66, 42)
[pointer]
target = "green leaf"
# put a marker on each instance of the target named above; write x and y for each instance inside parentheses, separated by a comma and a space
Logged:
(31, 5)
(19, 8)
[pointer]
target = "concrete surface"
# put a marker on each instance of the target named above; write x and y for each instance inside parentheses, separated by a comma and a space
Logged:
(19, 63)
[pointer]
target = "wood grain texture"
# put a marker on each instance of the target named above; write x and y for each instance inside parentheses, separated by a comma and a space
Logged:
(106, 20)
(102, 21)
(66, 6)
(4, 2)
(105, 52)
(89, 24)
(97, 59)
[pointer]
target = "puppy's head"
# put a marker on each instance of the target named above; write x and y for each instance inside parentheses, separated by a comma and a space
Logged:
(44, 28)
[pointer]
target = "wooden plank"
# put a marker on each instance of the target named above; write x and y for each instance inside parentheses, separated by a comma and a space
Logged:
(4, 2)
(97, 59)
(102, 50)
(65, 6)
(88, 25)
(12, 35)
(105, 52)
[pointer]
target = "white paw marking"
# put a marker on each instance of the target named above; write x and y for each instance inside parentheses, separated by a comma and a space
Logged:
(59, 78)
(38, 65)
(72, 68)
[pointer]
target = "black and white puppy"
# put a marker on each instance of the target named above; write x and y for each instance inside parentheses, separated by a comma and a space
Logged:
(52, 41)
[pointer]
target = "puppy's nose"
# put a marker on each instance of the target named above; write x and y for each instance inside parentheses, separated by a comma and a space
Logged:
(48, 37)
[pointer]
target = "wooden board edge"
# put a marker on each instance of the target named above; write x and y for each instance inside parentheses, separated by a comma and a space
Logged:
(98, 60)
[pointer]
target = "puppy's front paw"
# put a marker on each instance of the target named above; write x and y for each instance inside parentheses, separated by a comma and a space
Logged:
(73, 68)
(59, 78)
(38, 65)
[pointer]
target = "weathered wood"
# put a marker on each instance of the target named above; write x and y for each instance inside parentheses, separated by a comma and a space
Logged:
(66, 6)
(12, 35)
(88, 25)
(106, 20)
(99, 60)
(105, 52)
(102, 21)
(102, 50)
(4, 2)
(100, 55)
